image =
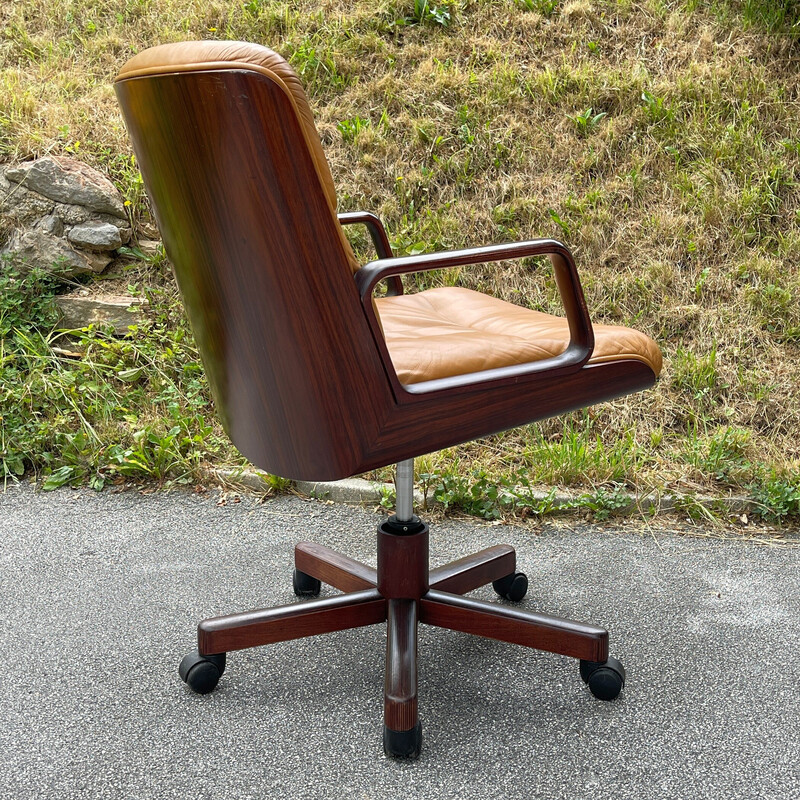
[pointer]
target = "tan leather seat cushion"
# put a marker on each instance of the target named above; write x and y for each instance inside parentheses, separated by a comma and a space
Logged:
(434, 334)
(450, 331)
(213, 55)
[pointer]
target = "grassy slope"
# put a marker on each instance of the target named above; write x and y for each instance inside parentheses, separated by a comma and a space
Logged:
(661, 142)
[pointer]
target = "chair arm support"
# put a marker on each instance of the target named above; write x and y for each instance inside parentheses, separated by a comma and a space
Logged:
(379, 239)
(580, 326)
(375, 227)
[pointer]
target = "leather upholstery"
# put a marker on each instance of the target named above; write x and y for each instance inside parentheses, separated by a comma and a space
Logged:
(434, 334)
(450, 331)
(214, 55)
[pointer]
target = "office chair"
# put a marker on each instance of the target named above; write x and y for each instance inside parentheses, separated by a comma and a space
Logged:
(317, 377)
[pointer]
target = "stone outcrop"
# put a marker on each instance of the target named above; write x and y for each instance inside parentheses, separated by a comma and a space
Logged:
(96, 235)
(69, 181)
(59, 211)
(79, 309)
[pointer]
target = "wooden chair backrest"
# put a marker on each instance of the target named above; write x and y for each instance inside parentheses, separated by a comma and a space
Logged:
(261, 262)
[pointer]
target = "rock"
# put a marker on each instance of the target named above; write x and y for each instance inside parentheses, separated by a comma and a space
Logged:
(97, 261)
(149, 247)
(95, 235)
(77, 215)
(51, 224)
(58, 211)
(122, 225)
(80, 311)
(19, 206)
(66, 180)
(38, 248)
(149, 231)
(72, 215)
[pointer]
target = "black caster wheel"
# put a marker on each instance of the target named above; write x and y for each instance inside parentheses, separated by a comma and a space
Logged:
(513, 587)
(304, 585)
(402, 744)
(202, 673)
(605, 678)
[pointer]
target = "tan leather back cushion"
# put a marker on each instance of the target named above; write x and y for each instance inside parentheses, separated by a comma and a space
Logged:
(212, 55)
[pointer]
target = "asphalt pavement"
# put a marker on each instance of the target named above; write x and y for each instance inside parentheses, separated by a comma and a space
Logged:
(100, 595)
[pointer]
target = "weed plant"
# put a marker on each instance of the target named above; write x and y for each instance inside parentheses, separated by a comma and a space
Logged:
(98, 407)
(659, 140)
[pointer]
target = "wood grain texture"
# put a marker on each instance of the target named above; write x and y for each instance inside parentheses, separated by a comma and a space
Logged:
(400, 686)
(430, 422)
(471, 572)
(513, 625)
(380, 241)
(261, 267)
(300, 374)
(281, 624)
(402, 564)
(581, 341)
(335, 569)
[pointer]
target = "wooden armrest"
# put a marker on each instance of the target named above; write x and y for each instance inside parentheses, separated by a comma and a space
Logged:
(379, 240)
(581, 342)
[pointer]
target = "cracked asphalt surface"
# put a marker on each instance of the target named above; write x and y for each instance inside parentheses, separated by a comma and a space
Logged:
(100, 595)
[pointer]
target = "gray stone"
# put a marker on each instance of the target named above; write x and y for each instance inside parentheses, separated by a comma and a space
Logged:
(95, 235)
(349, 490)
(122, 224)
(40, 249)
(97, 261)
(149, 247)
(71, 214)
(356, 491)
(18, 206)
(77, 215)
(39, 198)
(66, 180)
(51, 224)
(80, 310)
(149, 231)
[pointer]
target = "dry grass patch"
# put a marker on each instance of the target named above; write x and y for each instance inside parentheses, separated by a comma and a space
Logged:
(660, 141)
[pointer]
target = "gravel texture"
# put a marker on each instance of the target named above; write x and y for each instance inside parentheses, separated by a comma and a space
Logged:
(100, 595)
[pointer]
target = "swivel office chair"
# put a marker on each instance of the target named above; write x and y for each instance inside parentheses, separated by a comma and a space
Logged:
(317, 378)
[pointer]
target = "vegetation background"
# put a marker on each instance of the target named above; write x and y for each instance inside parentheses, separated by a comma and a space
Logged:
(659, 140)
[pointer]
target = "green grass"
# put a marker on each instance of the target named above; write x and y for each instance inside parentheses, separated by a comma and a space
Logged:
(659, 140)
(136, 406)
